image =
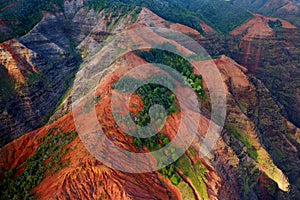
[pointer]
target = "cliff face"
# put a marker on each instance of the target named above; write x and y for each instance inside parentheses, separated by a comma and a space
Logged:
(286, 9)
(248, 165)
(256, 157)
(40, 66)
(271, 54)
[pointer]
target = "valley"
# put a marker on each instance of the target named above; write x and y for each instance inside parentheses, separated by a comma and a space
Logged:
(43, 153)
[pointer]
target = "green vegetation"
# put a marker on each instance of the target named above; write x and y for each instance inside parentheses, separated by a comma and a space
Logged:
(135, 13)
(155, 143)
(196, 173)
(243, 138)
(46, 159)
(99, 5)
(177, 62)
(23, 15)
(26, 13)
(185, 190)
(275, 24)
(271, 186)
(114, 9)
(96, 99)
(67, 88)
(169, 11)
(151, 94)
(221, 15)
(6, 85)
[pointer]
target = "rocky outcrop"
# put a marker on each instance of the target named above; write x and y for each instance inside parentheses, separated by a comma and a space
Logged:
(41, 65)
(285, 9)
(238, 169)
(265, 129)
(249, 160)
(271, 54)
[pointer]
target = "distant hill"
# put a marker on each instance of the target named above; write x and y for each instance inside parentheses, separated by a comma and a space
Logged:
(190, 12)
(20, 16)
(286, 9)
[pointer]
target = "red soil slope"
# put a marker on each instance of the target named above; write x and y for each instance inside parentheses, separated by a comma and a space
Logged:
(83, 177)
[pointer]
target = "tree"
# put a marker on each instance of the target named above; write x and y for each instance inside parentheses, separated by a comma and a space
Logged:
(175, 179)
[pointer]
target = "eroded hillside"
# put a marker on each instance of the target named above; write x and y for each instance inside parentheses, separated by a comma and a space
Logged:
(242, 165)
(256, 156)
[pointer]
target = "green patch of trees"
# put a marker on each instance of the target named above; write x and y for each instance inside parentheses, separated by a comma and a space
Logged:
(155, 143)
(275, 24)
(178, 63)
(151, 94)
(46, 159)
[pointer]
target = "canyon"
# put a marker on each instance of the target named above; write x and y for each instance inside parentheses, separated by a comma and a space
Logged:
(42, 156)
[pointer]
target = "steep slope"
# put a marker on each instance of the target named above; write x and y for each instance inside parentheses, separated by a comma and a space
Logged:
(259, 27)
(41, 64)
(286, 9)
(272, 54)
(191, 13)
(248, 162)
(54, 56)
(257, 156)
(19, 17)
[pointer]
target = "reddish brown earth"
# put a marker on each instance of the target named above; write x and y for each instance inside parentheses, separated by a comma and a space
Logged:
(258, 27)
(9, 6)
(83, 177)
(255, 36)
(206, 28)
(183, 29)
(149, 18)
(86, 178)
(16, 59)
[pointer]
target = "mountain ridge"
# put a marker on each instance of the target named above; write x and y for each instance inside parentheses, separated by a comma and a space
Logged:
(256, 157)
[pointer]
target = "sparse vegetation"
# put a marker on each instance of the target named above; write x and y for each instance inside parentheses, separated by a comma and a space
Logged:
(191, 13)
(6, 85)
(152, 94)
(243, 138)
(26, 13)
(196, 174)
(114, 10)
(46, 159)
